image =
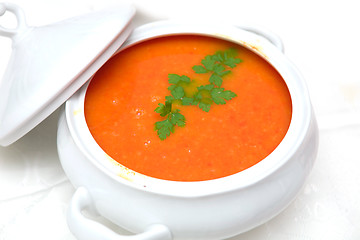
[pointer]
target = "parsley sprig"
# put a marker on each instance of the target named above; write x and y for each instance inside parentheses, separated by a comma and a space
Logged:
(217, 65)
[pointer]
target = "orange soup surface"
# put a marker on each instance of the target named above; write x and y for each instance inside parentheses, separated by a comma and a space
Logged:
(123, 94)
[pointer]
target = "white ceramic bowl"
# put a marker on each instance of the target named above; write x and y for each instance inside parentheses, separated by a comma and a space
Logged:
(216, 209)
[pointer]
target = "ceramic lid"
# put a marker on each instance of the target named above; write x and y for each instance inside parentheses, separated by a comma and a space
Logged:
(49, 63)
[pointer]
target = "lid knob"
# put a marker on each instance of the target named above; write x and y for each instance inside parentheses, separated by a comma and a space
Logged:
(20, 17)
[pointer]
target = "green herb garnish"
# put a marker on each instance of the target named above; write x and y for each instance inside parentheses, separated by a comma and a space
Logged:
(218, 65)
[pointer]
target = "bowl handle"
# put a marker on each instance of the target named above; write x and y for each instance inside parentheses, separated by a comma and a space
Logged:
(20, 17)
(269, 35)
(85, 228)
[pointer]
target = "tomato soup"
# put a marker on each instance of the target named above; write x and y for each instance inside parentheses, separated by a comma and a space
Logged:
(122, 97)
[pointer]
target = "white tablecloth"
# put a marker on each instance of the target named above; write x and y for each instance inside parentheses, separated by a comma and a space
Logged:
(321, 37)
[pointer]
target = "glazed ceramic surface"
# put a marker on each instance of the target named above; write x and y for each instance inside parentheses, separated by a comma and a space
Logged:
(216, 209)
(49, 63)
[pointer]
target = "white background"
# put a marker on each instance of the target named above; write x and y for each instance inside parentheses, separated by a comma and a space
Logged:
(321, 38)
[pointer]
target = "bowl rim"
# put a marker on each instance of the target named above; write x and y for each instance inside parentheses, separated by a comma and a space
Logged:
(299, 125)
